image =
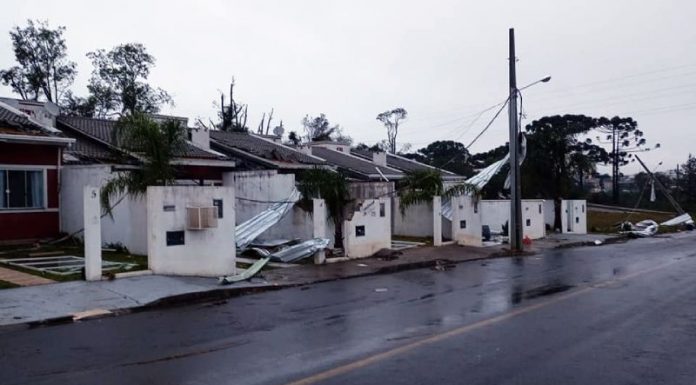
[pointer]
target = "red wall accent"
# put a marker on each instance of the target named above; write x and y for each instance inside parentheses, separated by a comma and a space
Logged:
(36, 224)
(29, 154)
(28, 225)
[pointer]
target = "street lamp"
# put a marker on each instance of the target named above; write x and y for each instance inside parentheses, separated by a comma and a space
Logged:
(544, 80)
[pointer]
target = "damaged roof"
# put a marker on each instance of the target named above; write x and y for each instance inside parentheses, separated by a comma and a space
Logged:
(262, 150)
(402, 163)
(14, 122)
(356, 165)
(95, 142)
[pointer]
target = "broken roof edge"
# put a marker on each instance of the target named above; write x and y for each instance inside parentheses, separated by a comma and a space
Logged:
(267, 162)
(49, 130)
(287, 147)
(399, 174)
(449, 173)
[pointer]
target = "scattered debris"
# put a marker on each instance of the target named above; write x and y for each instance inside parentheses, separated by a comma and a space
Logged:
(442, 265)
(90, 314)
(402, 245)
(361, 265)
(684, 218)
(296, 252)
(62, 265)
(246, 232)
(642, 229)
(381, 290)
(597, 242)
(246, 274)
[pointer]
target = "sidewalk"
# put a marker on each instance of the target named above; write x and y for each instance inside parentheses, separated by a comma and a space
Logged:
(68, 301)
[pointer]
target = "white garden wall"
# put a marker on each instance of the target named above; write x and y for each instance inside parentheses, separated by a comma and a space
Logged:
(573, 216)
(128, 223)
(175, 249)
(495, 213)
(369, 230)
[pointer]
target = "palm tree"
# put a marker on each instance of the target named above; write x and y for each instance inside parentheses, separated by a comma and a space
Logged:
(155, 145)
(420, 186)
(332, 187)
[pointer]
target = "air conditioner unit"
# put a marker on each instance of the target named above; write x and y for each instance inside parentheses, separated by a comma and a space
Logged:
(201, 218)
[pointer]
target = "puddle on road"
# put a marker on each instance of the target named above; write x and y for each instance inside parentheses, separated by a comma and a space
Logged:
(519, 295)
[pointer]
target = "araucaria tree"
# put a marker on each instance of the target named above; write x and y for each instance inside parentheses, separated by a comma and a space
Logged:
(43, 70)
(391, 120)
(556, 153)
(119, 81)
(624, 138)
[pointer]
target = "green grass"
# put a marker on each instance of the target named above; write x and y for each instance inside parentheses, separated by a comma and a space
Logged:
(7, 285)
(67, 248)
(606, 222)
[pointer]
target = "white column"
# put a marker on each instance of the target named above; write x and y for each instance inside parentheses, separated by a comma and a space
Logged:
(437, 221)
(319, 229)
(92, 232)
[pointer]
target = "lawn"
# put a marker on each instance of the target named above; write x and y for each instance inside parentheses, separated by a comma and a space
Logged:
(606, 222)
(7, 285)
(66, 248)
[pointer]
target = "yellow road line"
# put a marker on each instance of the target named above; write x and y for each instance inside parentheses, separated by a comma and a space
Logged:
(361, 363)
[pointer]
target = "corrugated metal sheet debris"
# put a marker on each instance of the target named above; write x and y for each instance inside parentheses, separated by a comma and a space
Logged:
(246, 232)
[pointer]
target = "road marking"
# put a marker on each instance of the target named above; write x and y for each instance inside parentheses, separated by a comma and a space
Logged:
(361, 363)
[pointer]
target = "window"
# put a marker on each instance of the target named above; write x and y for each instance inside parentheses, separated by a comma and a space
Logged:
(382, 210)
(475, 207)
(539, 209)
(529, 222)
(21, 189)
(583, 208)
(359, 231)
(462, 224)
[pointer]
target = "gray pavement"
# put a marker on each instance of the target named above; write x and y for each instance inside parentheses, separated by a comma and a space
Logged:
(616, 314)
(61, 301)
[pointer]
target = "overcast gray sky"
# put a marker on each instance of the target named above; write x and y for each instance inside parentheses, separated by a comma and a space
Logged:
(443, 61)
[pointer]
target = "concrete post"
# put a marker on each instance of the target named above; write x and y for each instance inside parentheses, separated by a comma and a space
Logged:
(92, 232)
(319, 223)
(437, 221)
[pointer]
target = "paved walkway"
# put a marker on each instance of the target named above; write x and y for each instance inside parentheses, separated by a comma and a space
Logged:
(22, 279)
(78, 299)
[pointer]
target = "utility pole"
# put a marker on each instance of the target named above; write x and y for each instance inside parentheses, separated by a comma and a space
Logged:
(515, 229)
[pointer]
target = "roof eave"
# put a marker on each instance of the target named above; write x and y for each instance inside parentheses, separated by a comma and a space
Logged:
(33, 139)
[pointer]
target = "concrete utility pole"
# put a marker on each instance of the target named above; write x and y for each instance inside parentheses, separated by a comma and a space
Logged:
(515, 228)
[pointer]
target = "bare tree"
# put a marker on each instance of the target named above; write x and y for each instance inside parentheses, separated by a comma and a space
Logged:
(391, 120)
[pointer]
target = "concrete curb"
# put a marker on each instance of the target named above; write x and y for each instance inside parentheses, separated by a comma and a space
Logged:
(227, 292)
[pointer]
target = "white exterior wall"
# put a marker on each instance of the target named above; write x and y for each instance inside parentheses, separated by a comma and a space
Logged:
(128, 223)
(412, 222)
(576, 216)
(208, 252)
(466, 221)
(573, 216)
(495, 213)
(377, 229)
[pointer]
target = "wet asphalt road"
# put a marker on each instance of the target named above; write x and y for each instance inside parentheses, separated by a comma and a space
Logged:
(615, 314)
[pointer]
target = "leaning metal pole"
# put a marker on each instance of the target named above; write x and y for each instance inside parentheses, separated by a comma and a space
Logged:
(515, 228)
